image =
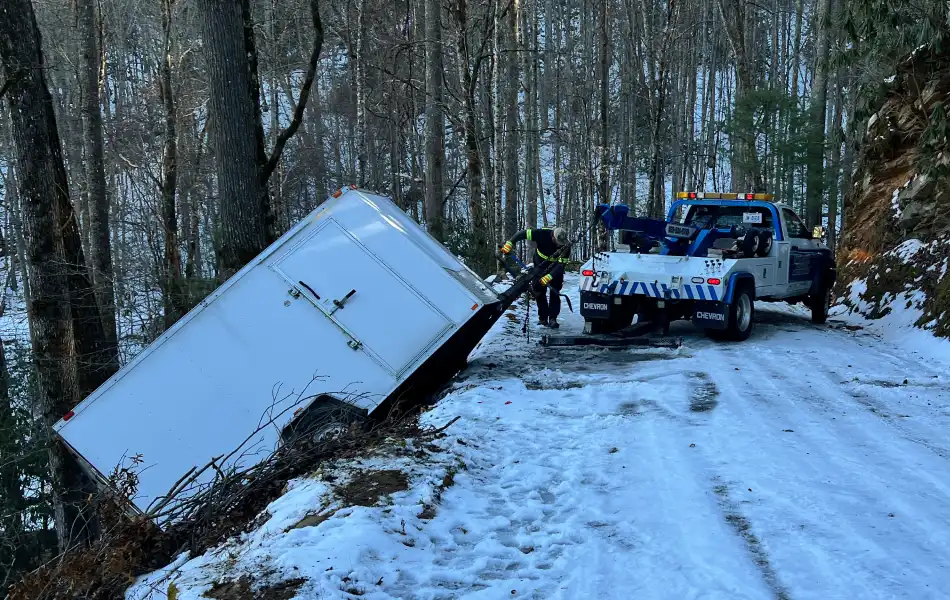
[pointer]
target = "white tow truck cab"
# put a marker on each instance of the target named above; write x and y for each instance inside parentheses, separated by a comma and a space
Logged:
(353, 309)
(708, 262)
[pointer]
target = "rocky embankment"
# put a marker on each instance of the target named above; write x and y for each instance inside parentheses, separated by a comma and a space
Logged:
(896, 244)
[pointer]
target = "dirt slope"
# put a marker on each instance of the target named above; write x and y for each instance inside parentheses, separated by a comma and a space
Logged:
(897, 219)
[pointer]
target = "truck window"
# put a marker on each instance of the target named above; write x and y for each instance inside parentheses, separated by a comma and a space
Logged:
(726, 216)
(796, 229)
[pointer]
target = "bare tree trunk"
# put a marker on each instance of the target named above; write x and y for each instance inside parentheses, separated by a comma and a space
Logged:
(100, 246)
(747, 174)
(361, 90)
(604, 183)
(512, 154)
(796, 74)
(11, 485)
(482, 256)
(435, 123)
(173, 289)
(529, 47)
(45, 191)
(819, 108)
(243, 232)
(835, 166)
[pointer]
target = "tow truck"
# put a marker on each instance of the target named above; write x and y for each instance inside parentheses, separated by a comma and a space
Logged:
(709, 261)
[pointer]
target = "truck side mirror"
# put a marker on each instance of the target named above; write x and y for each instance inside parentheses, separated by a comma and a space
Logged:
(818, 232)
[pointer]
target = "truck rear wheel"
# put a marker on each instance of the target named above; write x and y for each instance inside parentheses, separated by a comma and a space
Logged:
(741, 316)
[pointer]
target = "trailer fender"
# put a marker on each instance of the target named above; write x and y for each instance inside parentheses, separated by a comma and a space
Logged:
(734, 280)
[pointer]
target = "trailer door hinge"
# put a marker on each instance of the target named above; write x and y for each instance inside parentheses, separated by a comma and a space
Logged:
(355, 344)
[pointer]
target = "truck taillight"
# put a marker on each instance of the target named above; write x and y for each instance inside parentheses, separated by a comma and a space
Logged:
(587, 273)
(713, 281)
(69, 415)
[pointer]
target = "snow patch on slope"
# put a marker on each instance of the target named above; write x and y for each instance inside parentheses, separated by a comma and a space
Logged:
(900, 313)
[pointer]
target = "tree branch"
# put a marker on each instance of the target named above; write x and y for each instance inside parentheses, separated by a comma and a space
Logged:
(288, 133)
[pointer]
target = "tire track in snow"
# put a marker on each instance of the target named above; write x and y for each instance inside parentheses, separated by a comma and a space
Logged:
(743, 529)
(839, 472)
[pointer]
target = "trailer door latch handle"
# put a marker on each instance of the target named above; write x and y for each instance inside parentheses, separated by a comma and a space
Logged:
(338, 304)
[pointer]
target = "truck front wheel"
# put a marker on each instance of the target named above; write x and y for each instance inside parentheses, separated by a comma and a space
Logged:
(820, 304)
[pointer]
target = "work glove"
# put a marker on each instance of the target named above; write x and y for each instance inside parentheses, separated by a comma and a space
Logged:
(506, 248)
(546, 279)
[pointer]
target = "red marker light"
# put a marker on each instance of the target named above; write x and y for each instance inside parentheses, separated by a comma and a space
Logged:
(692, 194)
(587, 273)
(713, 281)
(69, 415)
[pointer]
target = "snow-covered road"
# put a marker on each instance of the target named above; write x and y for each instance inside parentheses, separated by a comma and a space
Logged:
(807, 462)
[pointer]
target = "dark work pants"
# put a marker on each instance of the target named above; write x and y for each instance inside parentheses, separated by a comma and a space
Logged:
(549, 309)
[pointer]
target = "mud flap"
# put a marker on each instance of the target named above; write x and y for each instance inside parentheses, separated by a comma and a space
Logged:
(595, 306)
(710, 315)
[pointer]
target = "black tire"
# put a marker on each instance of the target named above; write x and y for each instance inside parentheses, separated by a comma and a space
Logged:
(751, 243)
(820, 304)
(765, 242)
(324, 421)
(741, 314)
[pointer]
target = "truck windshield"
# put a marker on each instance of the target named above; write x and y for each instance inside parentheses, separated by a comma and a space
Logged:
(705, 215)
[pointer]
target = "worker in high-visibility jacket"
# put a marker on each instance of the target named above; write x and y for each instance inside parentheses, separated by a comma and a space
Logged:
(547, 241)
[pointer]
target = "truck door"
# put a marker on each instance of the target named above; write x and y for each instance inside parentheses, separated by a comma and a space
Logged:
(379, 312)
(802, 253)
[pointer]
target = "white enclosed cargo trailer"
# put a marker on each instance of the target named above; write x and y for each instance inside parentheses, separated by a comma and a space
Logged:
(357, 294)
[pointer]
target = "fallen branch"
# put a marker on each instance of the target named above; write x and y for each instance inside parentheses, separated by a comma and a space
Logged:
(202, 515)
(434, 432)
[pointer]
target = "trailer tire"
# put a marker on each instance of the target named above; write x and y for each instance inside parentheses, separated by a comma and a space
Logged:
(325, 421)
(741, 315)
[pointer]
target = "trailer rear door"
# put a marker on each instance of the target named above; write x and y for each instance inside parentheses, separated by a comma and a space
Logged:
(380, 313)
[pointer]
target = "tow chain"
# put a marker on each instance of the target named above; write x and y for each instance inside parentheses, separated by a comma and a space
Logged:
(528, 294)
(527, 316)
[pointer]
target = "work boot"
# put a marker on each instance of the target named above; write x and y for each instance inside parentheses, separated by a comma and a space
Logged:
(543, 321)
(552, 323)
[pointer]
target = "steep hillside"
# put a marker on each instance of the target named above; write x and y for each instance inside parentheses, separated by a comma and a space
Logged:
(894, 252)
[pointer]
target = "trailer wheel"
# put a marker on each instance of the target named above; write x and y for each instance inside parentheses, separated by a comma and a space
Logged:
(741, 314)
(323, 422)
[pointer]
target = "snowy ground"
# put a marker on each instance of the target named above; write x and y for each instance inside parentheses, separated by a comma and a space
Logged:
(807, 462)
